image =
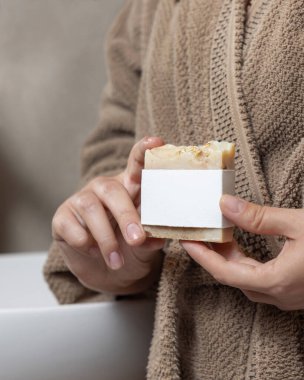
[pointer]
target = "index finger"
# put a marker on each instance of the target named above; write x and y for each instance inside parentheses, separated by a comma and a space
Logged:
(232, 273)
(136, 161)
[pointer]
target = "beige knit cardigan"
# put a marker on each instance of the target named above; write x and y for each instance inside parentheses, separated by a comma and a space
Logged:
(190, 71)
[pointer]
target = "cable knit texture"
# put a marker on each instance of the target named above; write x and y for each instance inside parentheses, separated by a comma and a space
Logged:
(190, 71)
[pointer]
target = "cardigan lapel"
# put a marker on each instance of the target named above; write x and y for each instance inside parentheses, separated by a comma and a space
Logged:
(253, 9)
(236, 124)
(241, 122)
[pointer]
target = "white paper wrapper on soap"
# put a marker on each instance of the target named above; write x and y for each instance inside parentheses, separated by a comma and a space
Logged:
(181, 189)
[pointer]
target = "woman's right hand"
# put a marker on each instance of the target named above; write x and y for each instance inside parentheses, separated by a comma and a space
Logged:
(99, 232)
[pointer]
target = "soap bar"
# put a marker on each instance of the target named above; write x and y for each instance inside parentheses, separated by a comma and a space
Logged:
(211, 156)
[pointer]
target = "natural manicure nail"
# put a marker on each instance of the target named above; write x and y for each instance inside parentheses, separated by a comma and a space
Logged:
(134, 232)
(115, 260)
(233, 204)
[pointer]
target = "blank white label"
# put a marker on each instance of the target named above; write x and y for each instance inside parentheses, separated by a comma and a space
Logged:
(185, 198)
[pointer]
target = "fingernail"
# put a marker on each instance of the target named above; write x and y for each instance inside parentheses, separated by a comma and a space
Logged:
(233, 204)
(134, 232)
(115, 260)
(149, 140)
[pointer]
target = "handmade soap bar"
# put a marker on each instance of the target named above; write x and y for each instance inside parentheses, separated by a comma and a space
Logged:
(181, 188)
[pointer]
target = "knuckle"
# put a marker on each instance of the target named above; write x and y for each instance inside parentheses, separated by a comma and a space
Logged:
(96, 182)
(277, 284)
(256, 216)
(79, 241)
(63, 229)
(75, 241)
(266, 277)
(59, 224)
(86, 202)
(279, 290)
(107, 187)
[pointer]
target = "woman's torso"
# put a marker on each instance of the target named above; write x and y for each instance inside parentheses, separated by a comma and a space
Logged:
(212, 72)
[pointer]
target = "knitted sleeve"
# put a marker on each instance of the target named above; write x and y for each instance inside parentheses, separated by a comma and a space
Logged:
(107, 148)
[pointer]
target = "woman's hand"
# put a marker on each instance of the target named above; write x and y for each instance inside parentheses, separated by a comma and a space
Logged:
(280, 281)
(100, 235)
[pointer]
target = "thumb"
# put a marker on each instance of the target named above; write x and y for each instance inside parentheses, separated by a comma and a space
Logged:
(262, 220)
(136, 160)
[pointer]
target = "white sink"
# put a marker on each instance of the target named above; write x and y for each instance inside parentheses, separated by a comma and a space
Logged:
(41, 340)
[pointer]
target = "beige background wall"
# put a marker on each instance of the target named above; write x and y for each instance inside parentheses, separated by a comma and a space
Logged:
(51, 75)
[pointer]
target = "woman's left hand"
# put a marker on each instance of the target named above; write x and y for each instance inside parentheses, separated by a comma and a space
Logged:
(278, 282)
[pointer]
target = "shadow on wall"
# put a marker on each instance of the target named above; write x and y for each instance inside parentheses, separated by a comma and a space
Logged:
(51, 77)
